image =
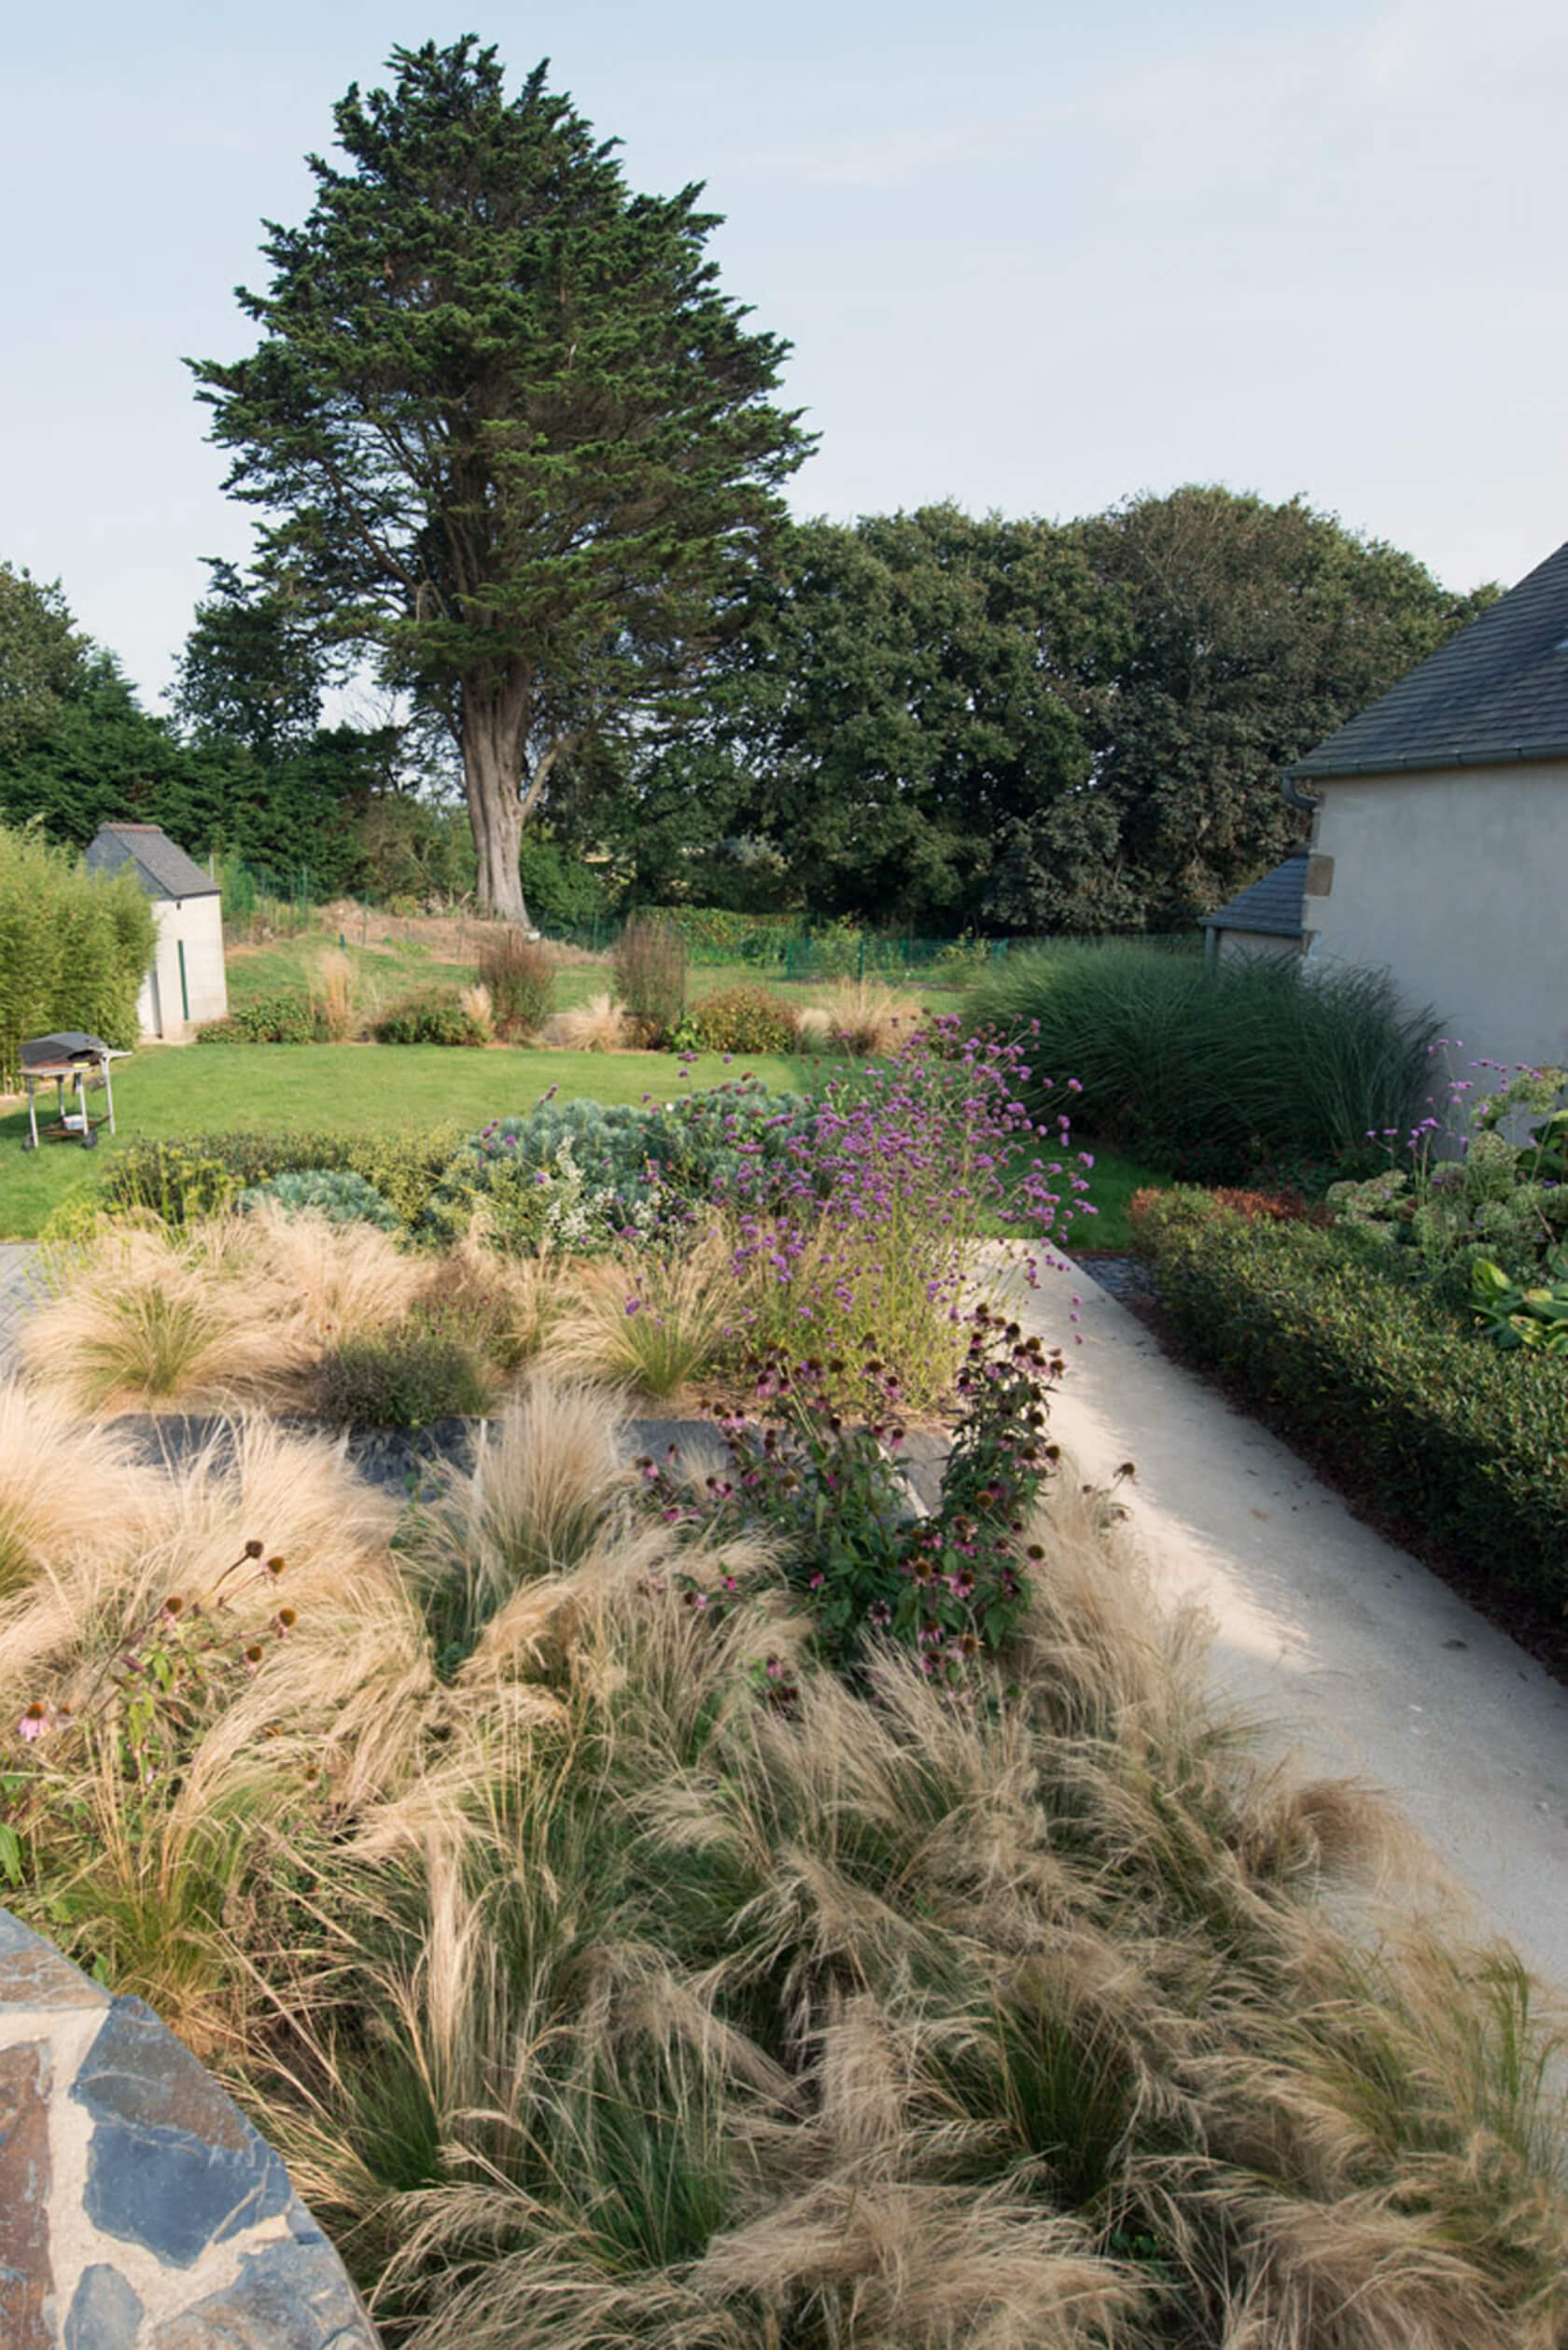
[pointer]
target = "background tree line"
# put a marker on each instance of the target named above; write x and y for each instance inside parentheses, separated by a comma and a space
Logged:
(1022, 726)
(928, 720)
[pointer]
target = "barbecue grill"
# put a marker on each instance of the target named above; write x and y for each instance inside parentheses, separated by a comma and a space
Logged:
(71, 1059)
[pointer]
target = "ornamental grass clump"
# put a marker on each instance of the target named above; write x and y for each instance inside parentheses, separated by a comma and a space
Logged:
(656, 1321)
(1216, 1074)
(224, 1310)
(520, 974)
(906, 1164)
(609, 1968)
(650, 963)
(334, 996)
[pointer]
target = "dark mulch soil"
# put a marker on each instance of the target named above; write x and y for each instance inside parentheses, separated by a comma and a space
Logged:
(1539, 1631)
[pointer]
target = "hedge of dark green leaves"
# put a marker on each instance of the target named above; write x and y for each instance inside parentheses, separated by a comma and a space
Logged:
(1455, 1442)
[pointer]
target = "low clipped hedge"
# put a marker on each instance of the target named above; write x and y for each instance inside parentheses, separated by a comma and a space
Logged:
(1463, 1448)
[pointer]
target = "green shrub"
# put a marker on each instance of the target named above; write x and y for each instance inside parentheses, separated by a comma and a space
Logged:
(433, 1018)
(580, 1174)
(1215, 1073)
(423, 1370)
(649, 961)
(741, 1019)
(287, 1018)
(521, 977)
(336, 1193)
(199, 1175)
(178, 1179)
(406, 1166)
(75, 947)
(1343, 1350)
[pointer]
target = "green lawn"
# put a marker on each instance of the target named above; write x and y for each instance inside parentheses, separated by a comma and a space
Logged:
(1113, 1182)
(196, 1088)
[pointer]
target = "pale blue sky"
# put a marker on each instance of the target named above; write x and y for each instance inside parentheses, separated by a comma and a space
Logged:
(1031, 257)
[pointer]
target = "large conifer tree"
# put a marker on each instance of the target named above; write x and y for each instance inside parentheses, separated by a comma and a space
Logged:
(505, 426)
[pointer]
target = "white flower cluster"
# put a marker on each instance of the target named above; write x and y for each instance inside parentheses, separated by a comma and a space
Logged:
(578, 1216)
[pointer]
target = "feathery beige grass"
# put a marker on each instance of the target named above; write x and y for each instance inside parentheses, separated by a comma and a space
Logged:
(231, 1310)
(148, 1316)
(333, 994)
(64, 1489)
(511, 1303)
(598, 1025)
(653, 1322)
(628, 1978)
(862, 1017)
(478, 1002)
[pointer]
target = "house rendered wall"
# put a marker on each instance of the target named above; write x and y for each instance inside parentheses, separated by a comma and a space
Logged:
(1452, 879)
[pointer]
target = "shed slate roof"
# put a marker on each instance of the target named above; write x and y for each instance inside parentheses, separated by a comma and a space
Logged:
(163, 870)
(1272, 906)
(1497, 692)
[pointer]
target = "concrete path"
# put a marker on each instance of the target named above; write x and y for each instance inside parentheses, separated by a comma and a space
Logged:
(1370, 1665)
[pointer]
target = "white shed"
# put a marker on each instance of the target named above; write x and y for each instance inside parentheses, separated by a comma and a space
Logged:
(187, 983)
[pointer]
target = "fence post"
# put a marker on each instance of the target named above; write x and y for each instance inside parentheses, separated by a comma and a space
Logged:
(860, 970)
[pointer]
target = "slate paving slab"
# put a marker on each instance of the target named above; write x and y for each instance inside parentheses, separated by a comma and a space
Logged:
(136, 2203)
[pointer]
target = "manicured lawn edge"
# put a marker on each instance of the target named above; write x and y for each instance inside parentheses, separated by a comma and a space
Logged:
(1461, 1449)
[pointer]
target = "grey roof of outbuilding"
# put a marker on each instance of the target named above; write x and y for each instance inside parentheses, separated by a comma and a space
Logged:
(1497, 692)
(163, 870)
(1272, 906)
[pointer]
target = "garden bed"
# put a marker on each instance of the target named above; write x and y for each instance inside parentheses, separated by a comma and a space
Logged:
(702, 1900)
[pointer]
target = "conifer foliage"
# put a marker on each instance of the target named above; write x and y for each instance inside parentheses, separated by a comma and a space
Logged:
(507, 430)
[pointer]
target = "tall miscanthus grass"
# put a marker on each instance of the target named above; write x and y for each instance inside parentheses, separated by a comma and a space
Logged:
(910, 1161)
(1216, 1070)
(625, 1975)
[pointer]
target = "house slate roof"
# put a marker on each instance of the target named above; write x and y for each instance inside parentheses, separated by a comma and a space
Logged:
(1272, 906)
(1498, 691)
(163, 870)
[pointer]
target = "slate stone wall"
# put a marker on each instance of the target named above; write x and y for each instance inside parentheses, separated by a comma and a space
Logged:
(138, 2208)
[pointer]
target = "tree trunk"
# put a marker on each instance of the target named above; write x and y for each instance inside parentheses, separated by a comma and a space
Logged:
(491, 783)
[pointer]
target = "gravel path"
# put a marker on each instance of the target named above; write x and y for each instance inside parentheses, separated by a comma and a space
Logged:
(16, 1258)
